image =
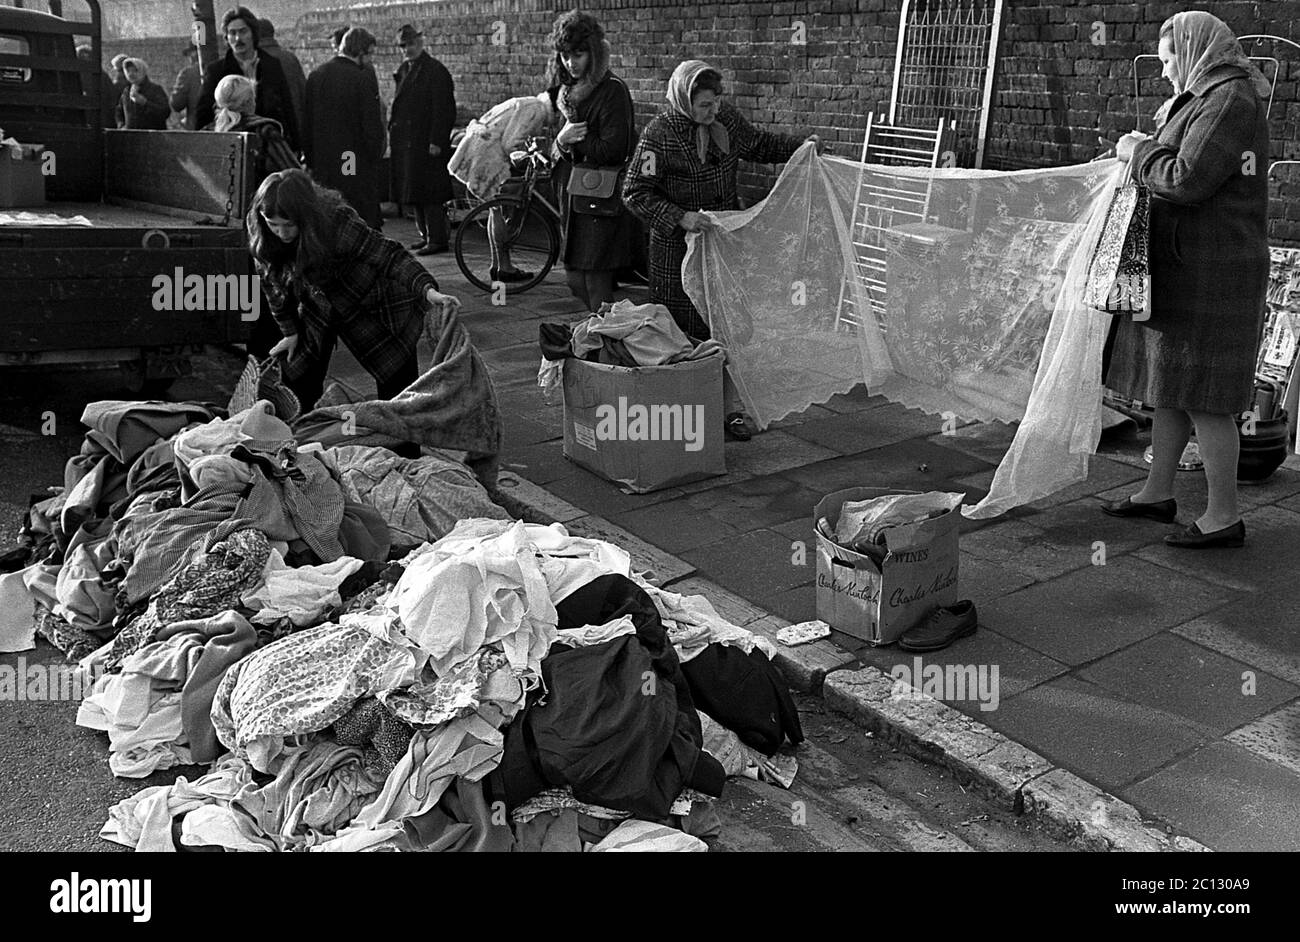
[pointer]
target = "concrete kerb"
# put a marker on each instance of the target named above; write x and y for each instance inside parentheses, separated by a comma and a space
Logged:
(1005, 771)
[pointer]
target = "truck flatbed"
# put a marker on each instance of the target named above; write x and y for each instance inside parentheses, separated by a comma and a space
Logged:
(97, 215)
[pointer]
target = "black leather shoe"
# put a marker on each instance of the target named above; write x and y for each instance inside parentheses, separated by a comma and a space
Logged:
(1163, 510)
(942, 628)
(417, 244)
(1193, 538)
(432, 250)
(496, 274)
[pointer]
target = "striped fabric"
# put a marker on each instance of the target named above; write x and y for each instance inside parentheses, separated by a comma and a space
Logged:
(666, 180)
(642, 836)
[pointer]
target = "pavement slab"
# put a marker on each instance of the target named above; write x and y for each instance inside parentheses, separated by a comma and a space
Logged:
(751, 565)
(1275, 736)
(1267, 563)
(1226, 797)
(1102, 736)
(1097, 610)
(672, 525)
(876, 427)
(656, 566)
(757, 502)
(1205, 688)
(1260, 629)
(917, 464)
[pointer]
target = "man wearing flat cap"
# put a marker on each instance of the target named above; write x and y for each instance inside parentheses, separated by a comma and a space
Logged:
(419, 129)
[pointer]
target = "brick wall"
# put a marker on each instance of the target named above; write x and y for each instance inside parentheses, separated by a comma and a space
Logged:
(1055, 89)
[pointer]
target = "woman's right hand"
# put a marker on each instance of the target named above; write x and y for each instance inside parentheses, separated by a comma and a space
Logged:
(697, 222)
(571, 133)
(287, 346)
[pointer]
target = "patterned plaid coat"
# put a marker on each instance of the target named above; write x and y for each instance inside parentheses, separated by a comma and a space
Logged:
(680, 183)
(371, 296)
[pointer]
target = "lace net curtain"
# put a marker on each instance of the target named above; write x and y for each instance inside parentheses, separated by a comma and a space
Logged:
(981, 316)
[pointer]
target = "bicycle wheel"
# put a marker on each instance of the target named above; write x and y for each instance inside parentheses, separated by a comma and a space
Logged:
(531, 238)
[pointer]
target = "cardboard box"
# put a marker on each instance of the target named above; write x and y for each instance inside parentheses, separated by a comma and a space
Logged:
(647, 427)
(21, 180)
(879, 603)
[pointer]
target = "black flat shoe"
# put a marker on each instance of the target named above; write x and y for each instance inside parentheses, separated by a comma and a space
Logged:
(1163, 510)
(1193, 538)
(417, 244)
(495, 274)
(432, 250)
(737, 428)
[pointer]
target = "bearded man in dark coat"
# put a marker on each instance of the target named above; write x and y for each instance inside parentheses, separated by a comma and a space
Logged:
(423, 114)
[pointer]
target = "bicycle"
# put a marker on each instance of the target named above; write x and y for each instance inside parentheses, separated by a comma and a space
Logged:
(531, 233)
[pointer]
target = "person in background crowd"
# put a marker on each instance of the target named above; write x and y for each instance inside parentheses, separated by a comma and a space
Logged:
(115, 73)
(352, 283)
(598, 133)
(236, 99)
(345, 125)
(293, 73)
(273, 99)
(684, 166)
(107, 96)
(1194, 360)
(482, 162)
(419, 130)
(187, 88)
(143, 105)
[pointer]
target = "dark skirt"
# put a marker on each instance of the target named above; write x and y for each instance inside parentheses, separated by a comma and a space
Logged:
(1188, 363)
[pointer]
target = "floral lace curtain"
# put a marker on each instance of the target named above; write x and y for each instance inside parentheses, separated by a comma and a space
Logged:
(979, 315)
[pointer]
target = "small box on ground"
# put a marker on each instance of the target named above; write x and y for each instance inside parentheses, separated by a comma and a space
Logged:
(647, 427)
(878, 602)
(21, 180)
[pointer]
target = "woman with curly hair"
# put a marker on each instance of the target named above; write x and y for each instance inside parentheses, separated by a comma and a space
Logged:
(350, 281)
(598, 133)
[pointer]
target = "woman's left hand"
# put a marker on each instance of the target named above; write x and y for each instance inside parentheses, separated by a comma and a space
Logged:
(444, 304)
(1124, 149)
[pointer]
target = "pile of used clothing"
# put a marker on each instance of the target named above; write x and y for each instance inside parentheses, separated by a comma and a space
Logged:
(368, 654)
(619, 334)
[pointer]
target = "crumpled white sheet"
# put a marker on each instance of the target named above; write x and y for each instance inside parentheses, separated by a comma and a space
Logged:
(220, 436)
(144, 820)
(301, 594)
(140, 708)
(478, 585)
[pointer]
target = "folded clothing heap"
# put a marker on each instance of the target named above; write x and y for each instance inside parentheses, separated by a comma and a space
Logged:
(620, 334)
(863, 525)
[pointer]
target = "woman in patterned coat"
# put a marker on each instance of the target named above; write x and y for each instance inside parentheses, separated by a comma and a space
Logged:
(685, 166)
(353, 284)
(1194, 360)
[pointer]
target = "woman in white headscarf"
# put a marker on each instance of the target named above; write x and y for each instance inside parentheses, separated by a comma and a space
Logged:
(684, 167)
(1194, 360)
(143, 105)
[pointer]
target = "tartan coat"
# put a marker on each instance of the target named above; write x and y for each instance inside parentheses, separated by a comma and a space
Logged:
(681, 183)
(1209, 252)
(370, 293)
(423, 113)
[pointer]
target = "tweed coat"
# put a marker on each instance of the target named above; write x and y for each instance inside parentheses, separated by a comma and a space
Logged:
(344, 115)
(371, 296)
(667, 179)
(1208, 173)
(423, 113)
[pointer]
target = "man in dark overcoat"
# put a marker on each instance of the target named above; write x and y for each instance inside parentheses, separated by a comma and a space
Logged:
(424, 112)
(344, 137)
